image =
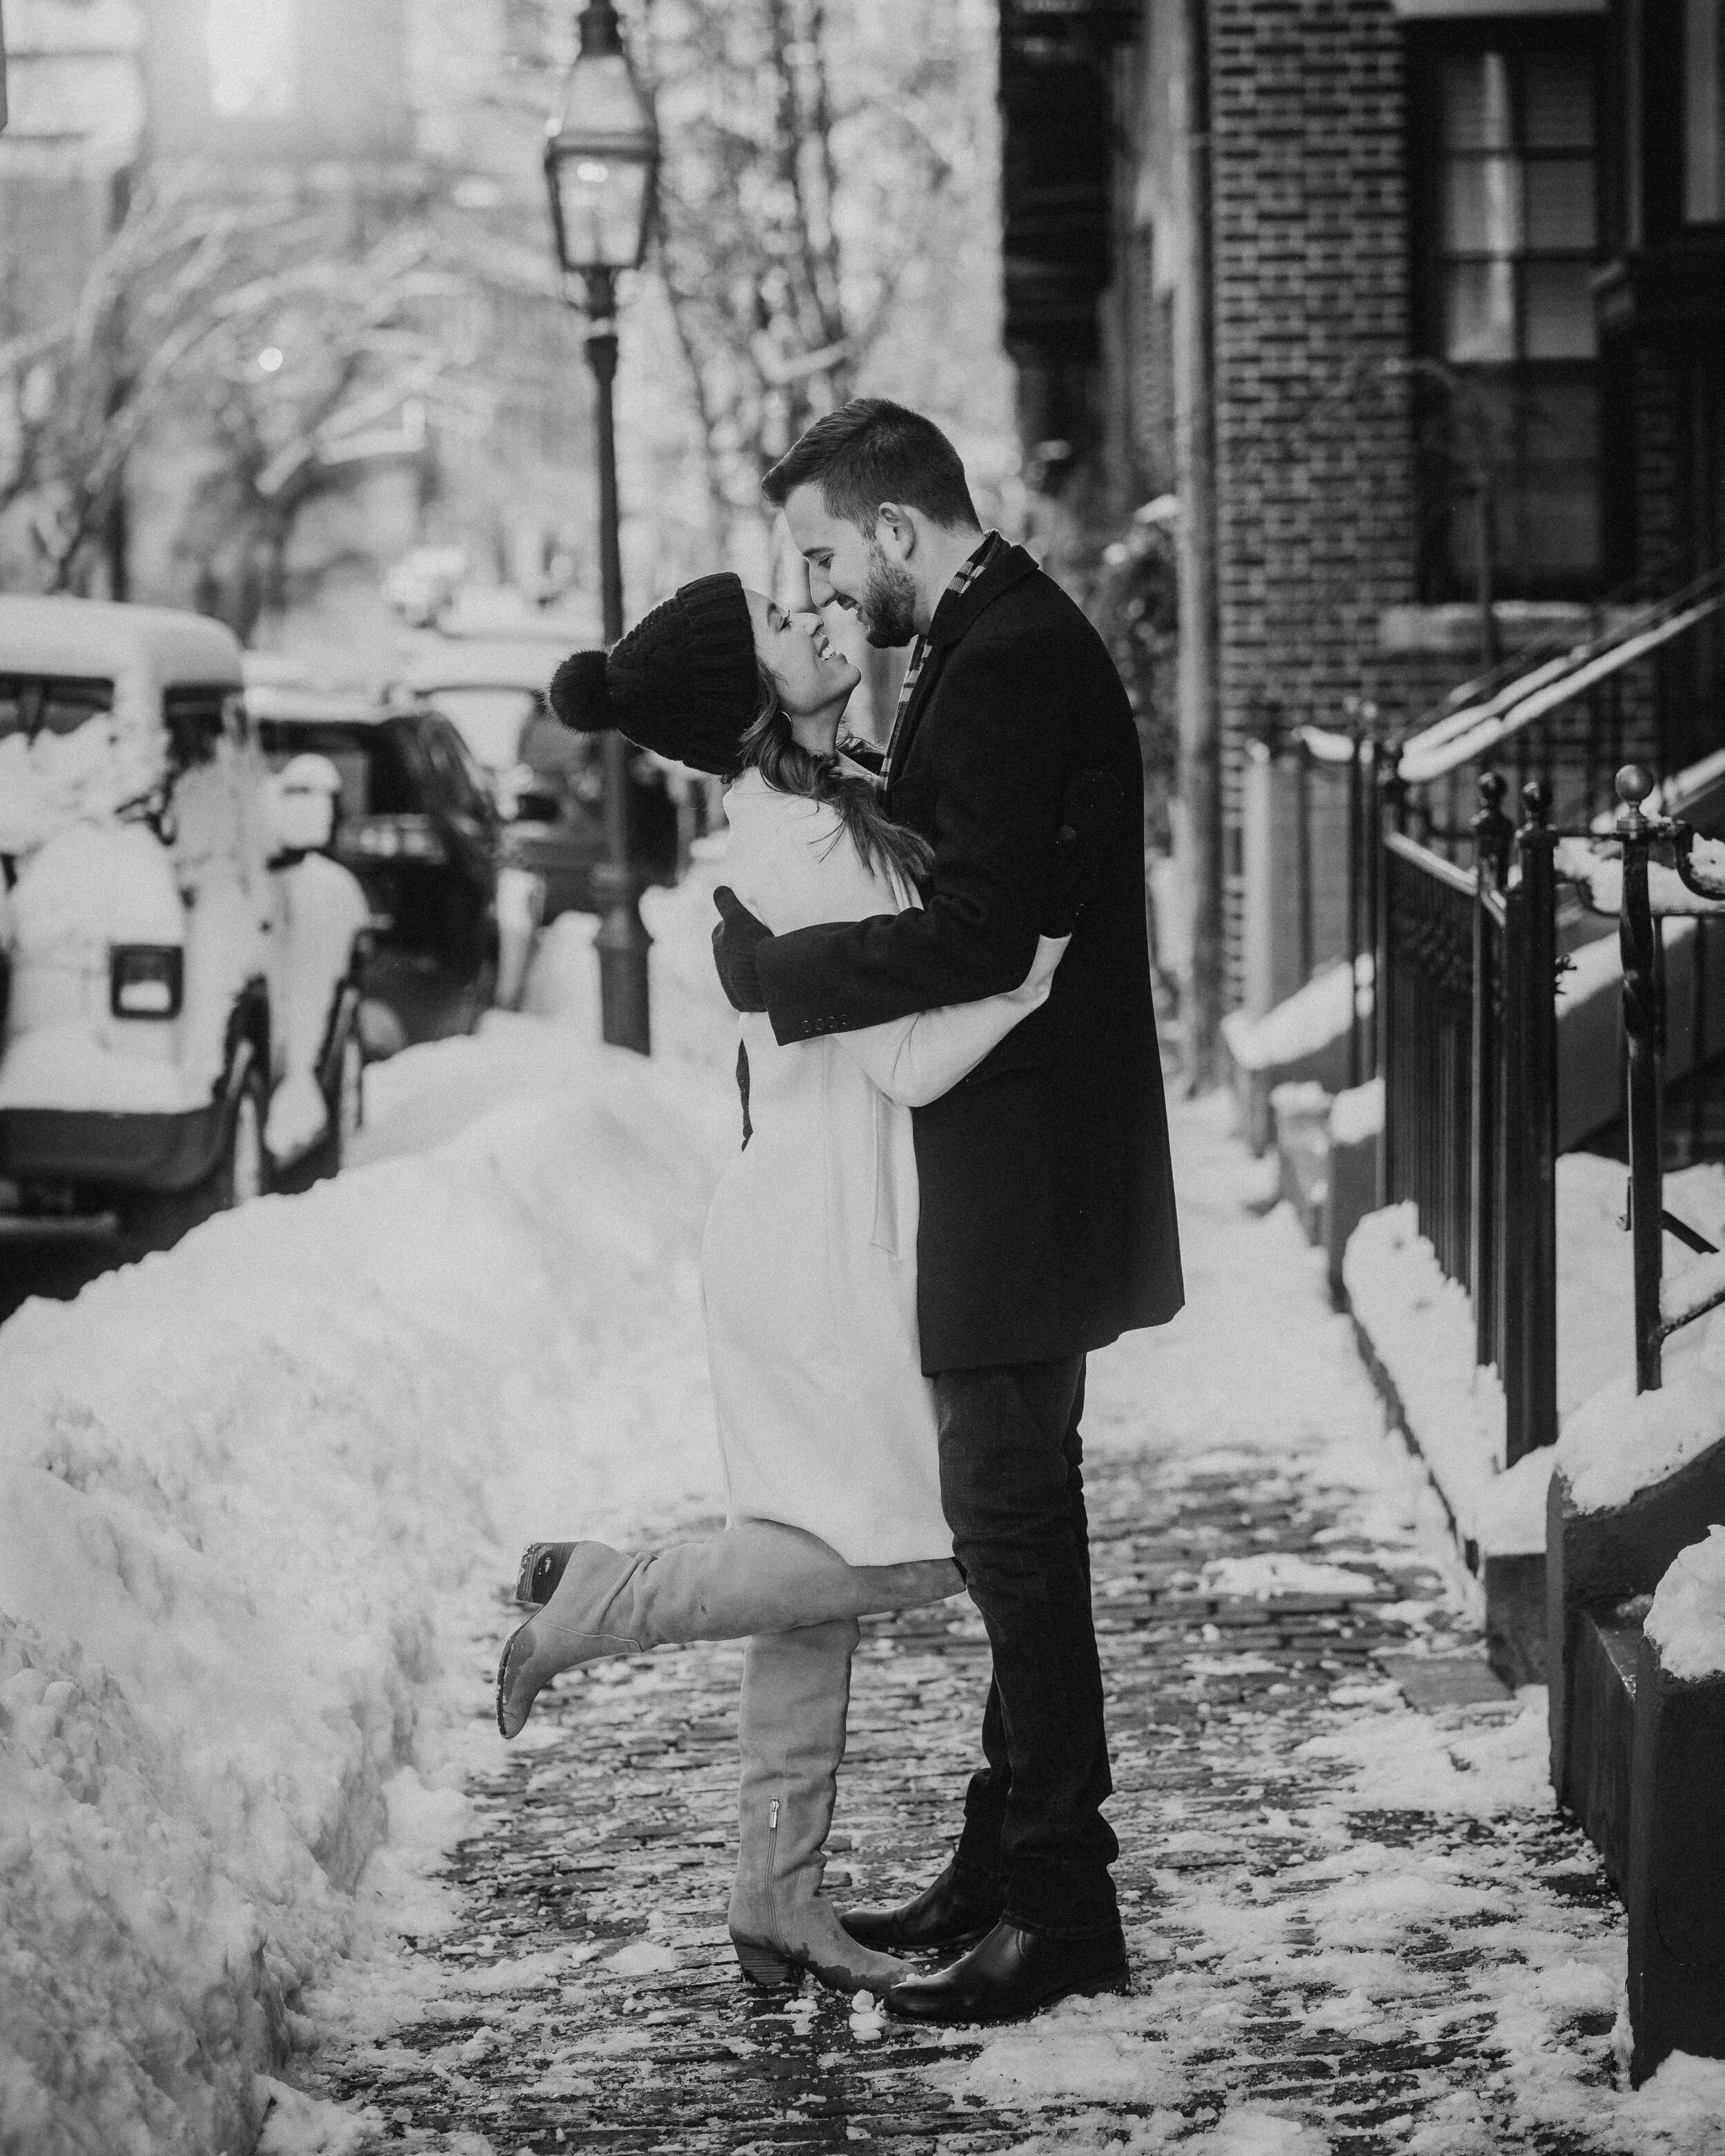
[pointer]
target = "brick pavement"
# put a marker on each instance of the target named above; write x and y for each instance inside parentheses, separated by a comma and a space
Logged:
(1296, 1953)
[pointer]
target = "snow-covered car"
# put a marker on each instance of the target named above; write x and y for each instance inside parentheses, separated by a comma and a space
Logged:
(416, 824)
(178, 1005)
(549, 782)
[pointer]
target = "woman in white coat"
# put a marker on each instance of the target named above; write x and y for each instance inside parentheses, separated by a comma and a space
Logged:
(826, 1423)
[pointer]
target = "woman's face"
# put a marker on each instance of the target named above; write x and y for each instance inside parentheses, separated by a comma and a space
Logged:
(815, 680)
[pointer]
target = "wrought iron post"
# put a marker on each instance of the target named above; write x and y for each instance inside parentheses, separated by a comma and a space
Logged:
(623, 942)
(1302, 840)
(1493, 835)
(1356, 842)
(1637, 942)
(1391, 808)
(1536, 1135)
(1372, 838)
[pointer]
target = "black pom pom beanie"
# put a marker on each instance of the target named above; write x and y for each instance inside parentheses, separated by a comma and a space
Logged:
(683, 682)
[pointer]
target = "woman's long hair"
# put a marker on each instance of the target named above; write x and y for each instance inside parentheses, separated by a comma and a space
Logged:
(770, 747)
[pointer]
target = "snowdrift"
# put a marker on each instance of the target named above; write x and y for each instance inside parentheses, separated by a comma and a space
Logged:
(256, 1497)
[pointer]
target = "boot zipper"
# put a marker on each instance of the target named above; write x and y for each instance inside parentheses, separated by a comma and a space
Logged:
(773, 1861)
(772, 1817)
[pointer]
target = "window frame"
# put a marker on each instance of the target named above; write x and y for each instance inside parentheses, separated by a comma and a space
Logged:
(1428, 43)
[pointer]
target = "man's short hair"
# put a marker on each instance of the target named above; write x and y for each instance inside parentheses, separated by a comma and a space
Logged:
(869, 451)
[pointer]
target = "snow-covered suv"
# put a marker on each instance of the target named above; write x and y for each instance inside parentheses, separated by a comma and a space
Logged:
(177, 957)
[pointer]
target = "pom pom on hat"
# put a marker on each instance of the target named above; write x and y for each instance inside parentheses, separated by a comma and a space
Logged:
(578, 694)
(683, 682)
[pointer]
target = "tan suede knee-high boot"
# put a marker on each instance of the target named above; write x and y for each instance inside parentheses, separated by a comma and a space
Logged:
(757, 1576)
(796, 1692)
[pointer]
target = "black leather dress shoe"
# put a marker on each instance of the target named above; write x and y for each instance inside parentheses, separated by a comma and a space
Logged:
(955, 1912)
(1012, 1975)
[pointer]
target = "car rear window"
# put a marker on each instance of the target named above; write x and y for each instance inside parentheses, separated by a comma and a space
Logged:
(490, 721)
(376, 778)
(30, 704)
(193, 713)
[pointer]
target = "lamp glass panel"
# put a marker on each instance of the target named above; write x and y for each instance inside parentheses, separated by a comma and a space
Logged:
(1703, 112)
(1559, 302)
(1561, 210)
(603, 152)
(1482, 206)
(1479, 312)
(604, 201)
(1558, 101)
(1474, 95)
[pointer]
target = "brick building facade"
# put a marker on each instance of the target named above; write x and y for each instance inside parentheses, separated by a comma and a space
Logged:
(1380, 304)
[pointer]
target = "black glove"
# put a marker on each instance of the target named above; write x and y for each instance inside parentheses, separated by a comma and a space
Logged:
(1087, 818)
(736, 943)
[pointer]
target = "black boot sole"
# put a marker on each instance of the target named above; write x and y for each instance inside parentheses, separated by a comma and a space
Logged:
(1110, 1985)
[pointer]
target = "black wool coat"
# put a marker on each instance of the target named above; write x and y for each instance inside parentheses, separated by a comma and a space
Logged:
(1047, 1222)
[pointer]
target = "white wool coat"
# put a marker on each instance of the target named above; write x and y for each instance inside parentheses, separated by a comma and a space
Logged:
(808, 1266)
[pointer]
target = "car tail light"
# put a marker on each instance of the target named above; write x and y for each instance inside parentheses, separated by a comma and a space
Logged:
(399, 839)
(146, 980)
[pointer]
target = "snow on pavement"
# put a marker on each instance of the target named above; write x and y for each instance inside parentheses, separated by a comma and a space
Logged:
(1354, 1926)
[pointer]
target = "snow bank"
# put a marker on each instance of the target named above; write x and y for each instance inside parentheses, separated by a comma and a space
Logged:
(1687, 1622)
(255, 1496)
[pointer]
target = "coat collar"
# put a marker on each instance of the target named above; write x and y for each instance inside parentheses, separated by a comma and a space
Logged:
(957, 611)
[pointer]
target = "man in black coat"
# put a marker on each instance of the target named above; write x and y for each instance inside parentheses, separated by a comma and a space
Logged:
(1047, 1222)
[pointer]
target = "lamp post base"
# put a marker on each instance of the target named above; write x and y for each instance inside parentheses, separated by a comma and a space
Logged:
(622, 944)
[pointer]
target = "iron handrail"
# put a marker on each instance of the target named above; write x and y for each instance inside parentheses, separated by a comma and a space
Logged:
(1468, 735)
(1545, 660)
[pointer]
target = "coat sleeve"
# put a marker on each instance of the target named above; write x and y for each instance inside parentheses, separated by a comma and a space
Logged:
(817, 876)
(1000, 756)
(914, 1060)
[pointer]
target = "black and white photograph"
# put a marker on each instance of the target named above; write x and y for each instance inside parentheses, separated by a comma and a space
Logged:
(862, 1077)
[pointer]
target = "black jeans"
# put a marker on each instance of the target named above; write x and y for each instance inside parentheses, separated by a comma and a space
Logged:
(1012, 1485)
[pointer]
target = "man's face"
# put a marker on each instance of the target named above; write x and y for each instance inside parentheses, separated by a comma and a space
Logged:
(851, 569)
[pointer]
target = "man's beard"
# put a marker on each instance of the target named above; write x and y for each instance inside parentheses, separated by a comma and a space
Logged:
(887, 608)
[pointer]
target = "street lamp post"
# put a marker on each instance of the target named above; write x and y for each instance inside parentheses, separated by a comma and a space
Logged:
(601, 160)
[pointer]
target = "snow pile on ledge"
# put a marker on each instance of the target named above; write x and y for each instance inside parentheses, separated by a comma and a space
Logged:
(1304, 1023)
(256, 1496)
(1420, 1326)
(1687, 1622)
(1619, 1443)
(1357, 1114)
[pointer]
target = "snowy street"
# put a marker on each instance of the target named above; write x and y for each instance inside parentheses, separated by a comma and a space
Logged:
(267, 1865)
(1357, 1925)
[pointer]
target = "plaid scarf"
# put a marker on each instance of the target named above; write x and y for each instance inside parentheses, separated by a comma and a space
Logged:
(963, 577)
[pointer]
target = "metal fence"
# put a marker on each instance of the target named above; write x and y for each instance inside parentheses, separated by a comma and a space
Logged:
(1468, 1031)
(1644, 1030)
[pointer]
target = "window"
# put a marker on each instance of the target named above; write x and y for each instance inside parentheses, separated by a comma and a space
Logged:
(195, 716)
(252, 58)
(53, 704)
(1508, 176)
(1703, 112)
(375, 780)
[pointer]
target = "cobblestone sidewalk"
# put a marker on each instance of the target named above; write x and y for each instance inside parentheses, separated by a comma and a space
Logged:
(1357, 1925)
